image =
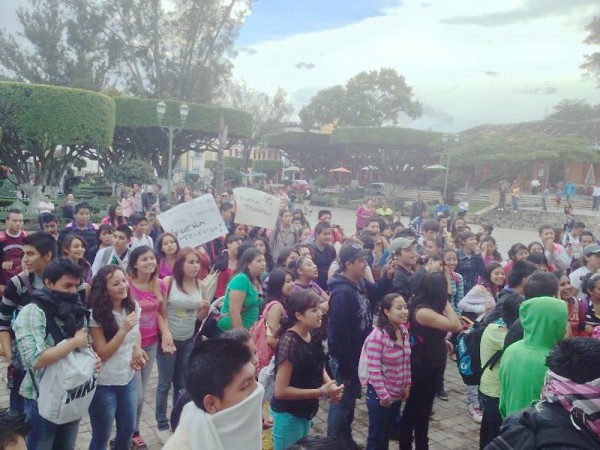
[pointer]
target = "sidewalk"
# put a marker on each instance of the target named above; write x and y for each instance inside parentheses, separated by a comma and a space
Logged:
(450, 427)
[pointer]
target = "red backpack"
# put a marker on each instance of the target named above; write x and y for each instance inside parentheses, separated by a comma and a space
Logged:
(259, 336)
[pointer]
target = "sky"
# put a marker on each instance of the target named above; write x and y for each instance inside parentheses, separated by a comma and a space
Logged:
(469, 62)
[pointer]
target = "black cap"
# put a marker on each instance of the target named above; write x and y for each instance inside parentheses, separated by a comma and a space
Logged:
(351, 252)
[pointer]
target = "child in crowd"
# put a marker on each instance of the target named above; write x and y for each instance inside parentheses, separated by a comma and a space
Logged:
(139, 224)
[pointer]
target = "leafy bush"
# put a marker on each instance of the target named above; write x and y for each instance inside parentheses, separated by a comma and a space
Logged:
(454, 184)
(134, 171)
(321, 181)
(141, 113)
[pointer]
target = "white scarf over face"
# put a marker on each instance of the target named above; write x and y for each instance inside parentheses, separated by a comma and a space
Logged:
(235, 428)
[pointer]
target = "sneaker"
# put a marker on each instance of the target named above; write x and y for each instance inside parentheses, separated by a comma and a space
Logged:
(442, 394)
(475, 413)
(163, 435)
(137, 442)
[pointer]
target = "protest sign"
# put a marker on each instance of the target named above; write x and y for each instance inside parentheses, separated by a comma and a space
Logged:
(255, 208)
(194, 223)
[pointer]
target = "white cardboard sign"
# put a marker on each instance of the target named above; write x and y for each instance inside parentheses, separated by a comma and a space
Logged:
(256, 208)
(194, 223)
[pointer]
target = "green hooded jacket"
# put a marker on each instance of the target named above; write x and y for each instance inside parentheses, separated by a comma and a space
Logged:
(523, 365)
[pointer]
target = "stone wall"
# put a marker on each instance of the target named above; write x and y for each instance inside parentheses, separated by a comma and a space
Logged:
(528, 219)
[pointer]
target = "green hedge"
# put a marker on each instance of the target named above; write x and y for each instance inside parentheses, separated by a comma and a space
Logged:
(383, 136)
(50, 115)
(267, 165)
(141, 113)
(296, 138)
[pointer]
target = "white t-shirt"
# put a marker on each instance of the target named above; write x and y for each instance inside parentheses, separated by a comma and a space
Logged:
(46, 207)
(138, 242)
(575, 278)
(116, 370)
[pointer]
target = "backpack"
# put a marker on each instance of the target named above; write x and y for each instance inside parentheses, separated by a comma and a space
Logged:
(67, 387)
(532, 429)
(468, 356)
(259, 337)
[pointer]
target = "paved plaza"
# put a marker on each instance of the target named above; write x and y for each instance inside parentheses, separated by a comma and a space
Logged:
(450, 428)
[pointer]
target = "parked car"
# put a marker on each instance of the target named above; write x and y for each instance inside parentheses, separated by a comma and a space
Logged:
(375, 189)
(300, 185)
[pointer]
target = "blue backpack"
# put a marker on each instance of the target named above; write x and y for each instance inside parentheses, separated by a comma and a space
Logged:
(468, 358)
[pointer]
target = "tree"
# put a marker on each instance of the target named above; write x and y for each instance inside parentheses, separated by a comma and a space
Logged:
(374, 98)
(129, 172)
(61, 46)
(574, 110)
(133, 44)
(592, 61)
(45, 129)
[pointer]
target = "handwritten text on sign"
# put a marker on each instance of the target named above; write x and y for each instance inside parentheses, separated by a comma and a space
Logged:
(194, 223)
(256, 208)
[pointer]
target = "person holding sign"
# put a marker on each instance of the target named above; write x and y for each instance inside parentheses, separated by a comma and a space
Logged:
(242, 299)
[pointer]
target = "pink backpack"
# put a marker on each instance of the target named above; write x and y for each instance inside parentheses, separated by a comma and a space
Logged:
(259, 336)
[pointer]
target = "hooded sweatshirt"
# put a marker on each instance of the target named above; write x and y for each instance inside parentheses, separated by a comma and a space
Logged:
(523, 365)
(351, 318)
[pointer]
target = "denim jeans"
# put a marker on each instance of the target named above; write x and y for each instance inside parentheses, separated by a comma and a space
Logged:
(45, 435)
(142, 377)
(15, 378)
(473, 396)
(492, 420)
(287, 429)
(341, 414)
(170, 371)
(382, 420)
(515, 203)
(113, 404)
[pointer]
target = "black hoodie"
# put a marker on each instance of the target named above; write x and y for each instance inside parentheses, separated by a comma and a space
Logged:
(351, 308)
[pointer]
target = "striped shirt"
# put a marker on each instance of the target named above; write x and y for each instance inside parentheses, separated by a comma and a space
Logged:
(388, 364)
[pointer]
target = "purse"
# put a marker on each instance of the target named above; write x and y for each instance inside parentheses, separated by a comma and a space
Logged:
(208, 286)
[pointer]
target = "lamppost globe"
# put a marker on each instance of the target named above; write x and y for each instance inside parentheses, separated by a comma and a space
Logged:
(161, 109)
(183, 112)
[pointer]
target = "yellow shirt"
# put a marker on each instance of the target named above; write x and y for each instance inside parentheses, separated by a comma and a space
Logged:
(492, 340)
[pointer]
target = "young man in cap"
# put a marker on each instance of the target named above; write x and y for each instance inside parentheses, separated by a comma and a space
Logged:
(590, 262)
(404, 252)
(351, 308)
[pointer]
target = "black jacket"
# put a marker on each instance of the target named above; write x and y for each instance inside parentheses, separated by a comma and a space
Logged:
(351, 319)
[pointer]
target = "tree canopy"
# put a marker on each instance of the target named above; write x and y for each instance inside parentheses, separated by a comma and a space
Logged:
(138, 136)
(133, 45)
(370, 98)
(574, 110)
(37, 119)
(592, 60)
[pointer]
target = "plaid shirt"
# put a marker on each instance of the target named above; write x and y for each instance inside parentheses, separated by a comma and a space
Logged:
(32, 340)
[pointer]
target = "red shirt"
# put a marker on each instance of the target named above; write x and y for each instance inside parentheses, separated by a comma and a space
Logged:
(11, 249)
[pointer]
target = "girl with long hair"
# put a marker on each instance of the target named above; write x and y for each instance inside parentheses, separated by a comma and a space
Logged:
(167, 251)
(299, 214)
(489, 250)
(575, 307)
(73, 248)
(284, 235)
(226, 263)
(286, 258)
(300, 375)
(483, 296)
(115, 333)
(387, 351)
(184, 302)
(279, 288)
(149, 292)
(243, 297)
(115, 216)
(262, 245)
(431, 318)
(104, 236)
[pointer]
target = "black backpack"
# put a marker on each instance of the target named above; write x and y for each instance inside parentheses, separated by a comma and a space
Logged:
(534, 429)
(468, 358)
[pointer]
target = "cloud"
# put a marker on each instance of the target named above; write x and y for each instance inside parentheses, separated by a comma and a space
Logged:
(528, 11)
(491, 73)
(247, 50)
(439, 117)
(303, 65)
(546, 90)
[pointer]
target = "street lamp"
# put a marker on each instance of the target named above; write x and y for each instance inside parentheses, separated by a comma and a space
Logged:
(445, 141)
(170, 131)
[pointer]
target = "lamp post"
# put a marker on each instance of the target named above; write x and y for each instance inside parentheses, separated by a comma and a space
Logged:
(447, 150)
(170, 131)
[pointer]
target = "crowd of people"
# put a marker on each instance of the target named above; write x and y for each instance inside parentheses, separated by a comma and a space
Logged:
(251, 331)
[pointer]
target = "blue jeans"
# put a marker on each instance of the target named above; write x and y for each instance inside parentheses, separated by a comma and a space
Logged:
(143, 376)
(113, 404)
(341, 414)
(515, 203)
(287, 429)
(45, 435)
(381, 421)
(492, 420)
(170, 371)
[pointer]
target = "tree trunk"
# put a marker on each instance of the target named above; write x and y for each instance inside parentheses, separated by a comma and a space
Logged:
(220, 182)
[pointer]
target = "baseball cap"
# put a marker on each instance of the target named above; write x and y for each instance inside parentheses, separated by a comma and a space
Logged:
(591, 249)
(351, 252)
(401, 243)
